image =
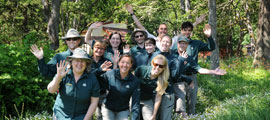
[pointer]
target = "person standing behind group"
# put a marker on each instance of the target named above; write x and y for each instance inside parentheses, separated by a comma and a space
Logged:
(138, 36)
(115, 48)
(73, 40)
(162, 29)
(78, 89)
(154, 82)
(189, 66)
(144, 58)
(193, 49)
(121, 85)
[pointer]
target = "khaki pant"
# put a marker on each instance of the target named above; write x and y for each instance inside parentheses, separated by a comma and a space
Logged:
(107, 114)
(147, 108)
(166, 107)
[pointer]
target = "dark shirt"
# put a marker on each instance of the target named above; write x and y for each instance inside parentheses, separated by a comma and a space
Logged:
(120, 91)
(148, 85)
(136, 50)
(195, 46)
(96, 70)
(142, 59)
(73, 99)
(190, 66)
(49, 69)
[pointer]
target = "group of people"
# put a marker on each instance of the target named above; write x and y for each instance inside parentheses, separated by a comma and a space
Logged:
(148, 81)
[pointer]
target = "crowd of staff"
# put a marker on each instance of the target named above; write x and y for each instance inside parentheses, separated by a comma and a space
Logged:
(150, 80)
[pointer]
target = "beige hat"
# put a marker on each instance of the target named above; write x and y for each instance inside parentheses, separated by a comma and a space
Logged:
(72, 33)
(79, 53)
(138, 30)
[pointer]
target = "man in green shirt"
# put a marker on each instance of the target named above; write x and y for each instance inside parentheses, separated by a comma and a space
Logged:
(73, 40)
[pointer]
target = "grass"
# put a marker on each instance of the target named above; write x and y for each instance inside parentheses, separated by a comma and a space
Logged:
(242, 94)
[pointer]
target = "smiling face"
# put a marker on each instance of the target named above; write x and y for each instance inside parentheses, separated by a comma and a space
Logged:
(158, 66)
(73, 43)
(162, 30)
(182, 46)
(78, 65)
(149, 47)
(186, 32)
(125, 64)
(115, 40)
(165, 44)
(139, 37)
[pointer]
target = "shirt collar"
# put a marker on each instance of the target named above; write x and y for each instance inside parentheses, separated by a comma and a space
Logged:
(118, 76)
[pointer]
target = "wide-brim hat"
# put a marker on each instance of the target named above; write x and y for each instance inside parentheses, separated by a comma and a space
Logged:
(182, 38)
(138, 30)
(72, 33)
(79, 53)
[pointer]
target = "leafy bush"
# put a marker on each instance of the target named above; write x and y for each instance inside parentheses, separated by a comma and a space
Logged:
(20, 81)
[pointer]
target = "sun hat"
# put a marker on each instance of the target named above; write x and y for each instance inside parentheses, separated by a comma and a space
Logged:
(183, 38)
(72, 33)
(79, 53)
(138, 30)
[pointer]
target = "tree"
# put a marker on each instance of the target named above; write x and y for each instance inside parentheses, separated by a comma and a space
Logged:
(213, 23)
(262, 56)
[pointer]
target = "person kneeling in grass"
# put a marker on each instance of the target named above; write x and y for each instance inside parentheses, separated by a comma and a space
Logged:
(78, 88)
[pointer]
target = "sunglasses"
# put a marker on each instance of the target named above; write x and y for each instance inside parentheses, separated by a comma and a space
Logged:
(160, 66)
(139, 36)
(73, 39)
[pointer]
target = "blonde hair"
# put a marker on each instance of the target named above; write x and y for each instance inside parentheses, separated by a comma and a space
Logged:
(162, 82)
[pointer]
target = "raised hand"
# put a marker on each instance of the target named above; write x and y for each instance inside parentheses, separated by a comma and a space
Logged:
(129, 8)
(207, 30)
(153, 117)
(62, 69)
(106, 66)
(183, 54)
(126, 48)
(116, 57)
(37, 52)
(219, 71)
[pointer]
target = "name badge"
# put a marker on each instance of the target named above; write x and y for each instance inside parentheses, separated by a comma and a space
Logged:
(68, 84)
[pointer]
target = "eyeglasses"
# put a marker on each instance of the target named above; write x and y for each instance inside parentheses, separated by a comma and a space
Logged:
(160, 66)
(137, 36)
(73, 39)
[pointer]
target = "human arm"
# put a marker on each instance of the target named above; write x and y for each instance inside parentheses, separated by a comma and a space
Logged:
(211, 43)
(134, 17)
(157, 103)
(53, 86)
(135, 110)
(217, 71)
(88, 37)
(37, 52)
(92, 108)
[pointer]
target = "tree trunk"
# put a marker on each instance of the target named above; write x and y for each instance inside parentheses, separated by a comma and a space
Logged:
(53, 24)
(187, 8)
(46, 9)
(262, 56)
(213, 23)
(182, 5)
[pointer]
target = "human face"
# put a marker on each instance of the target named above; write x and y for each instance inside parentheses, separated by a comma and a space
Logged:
(186, 32)
(125, 64)
(78, 65)
(139, 37)
(182, 46)
(150, 48)
(165, 44)
(162, 30)
(98, 51)
(115, 40)
(157, 67)
(73, 43)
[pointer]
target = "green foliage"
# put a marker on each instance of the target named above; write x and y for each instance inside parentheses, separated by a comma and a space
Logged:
(20, 82)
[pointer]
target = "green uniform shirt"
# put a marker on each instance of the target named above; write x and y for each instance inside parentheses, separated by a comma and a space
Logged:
(73, 99)
(148, 85)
